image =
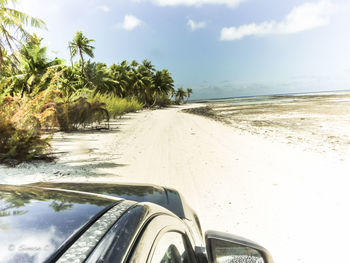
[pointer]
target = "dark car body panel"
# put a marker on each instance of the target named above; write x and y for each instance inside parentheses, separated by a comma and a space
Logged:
(35, 222)
(163, 196)
(58, 214)
(164, 222)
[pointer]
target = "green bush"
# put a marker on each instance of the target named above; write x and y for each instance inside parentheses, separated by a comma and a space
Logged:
(21, 144)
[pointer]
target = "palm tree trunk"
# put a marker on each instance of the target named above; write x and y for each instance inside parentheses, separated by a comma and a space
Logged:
(23, 90)
(154, 102)
(1, 58)
(71, 58)
(82, 61)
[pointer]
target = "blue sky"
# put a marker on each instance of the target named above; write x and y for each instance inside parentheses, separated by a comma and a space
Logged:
(219, 48)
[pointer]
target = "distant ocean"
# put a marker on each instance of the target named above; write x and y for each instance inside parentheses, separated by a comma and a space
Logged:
(270, 99)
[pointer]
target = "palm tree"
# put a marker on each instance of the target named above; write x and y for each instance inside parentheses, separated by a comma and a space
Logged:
(163, 84)
(163, 81)
(180, 95)
(103, 80)
(134, 64)
(141, 84)
(33, 64)
(120, 74)
(148, 65)
(13, 22)
(8, 66)
(81, 45)
(188, 93)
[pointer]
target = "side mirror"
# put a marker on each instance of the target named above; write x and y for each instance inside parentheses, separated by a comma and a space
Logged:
(226, 248)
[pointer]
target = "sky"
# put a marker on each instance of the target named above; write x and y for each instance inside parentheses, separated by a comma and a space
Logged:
(219, 48)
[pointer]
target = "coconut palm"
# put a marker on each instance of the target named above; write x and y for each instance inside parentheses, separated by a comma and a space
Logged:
(163, 81)
(148, 65)
(180, 95)
(102, 80)
(81, 45)
(12, 27)
(141, 84)
(163, 85)
(134, 64)
(146, 69)
(120, 73)
(188, 93)
(9, 64)
(33, 64)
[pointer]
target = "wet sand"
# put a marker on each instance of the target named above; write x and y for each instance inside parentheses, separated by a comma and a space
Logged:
(315, 122)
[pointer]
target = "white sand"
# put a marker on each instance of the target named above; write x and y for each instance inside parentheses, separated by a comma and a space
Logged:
(293, 202)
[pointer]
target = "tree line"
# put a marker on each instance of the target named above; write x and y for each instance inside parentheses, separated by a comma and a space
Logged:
(28, 70)
(39, 93)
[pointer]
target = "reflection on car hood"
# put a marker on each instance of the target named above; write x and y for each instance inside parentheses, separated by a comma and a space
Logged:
(35, 222)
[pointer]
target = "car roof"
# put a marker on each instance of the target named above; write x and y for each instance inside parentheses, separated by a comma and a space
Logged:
(163, 196)
(166, 197)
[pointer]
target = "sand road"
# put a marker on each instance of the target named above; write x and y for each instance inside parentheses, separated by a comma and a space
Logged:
(293, 202)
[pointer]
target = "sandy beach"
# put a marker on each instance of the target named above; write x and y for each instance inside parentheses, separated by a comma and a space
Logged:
(289, 196)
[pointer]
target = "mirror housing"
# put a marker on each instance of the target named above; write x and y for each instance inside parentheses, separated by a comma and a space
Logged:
(223, 247)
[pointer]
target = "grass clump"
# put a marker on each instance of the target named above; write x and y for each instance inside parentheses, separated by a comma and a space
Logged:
(80, 114)
(118, 106)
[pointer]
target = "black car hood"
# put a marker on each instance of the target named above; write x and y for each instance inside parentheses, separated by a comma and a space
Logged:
(35, 222)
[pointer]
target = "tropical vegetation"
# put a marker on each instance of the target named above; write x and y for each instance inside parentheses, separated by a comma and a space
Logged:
(40, 94)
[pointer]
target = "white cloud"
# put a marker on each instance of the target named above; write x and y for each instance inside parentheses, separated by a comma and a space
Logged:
(229, 3)
(131, 22)
(304, 17)
(104, 8)
(196, 25)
